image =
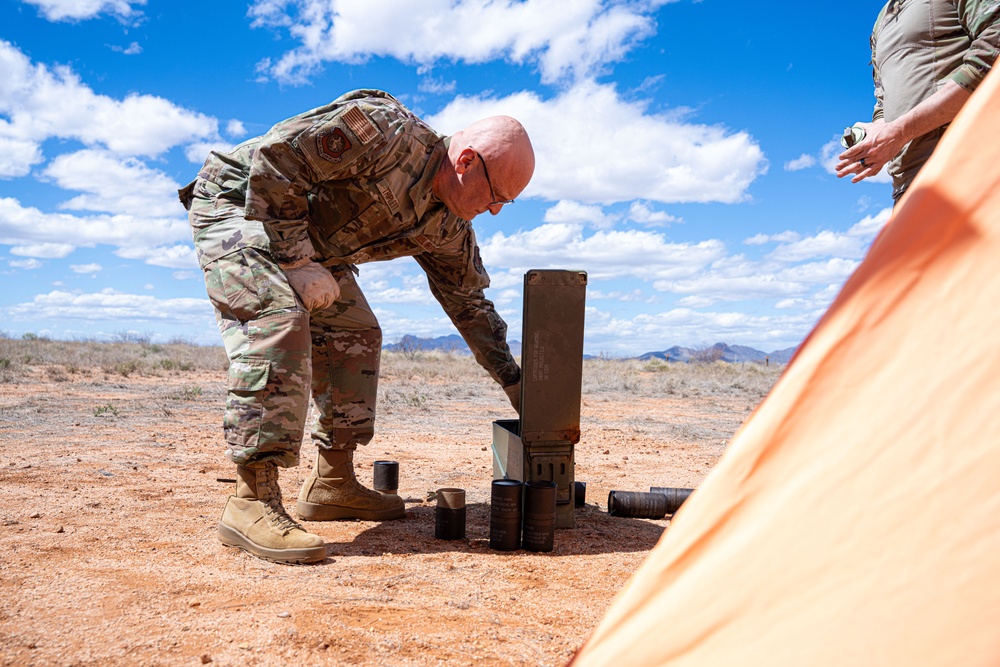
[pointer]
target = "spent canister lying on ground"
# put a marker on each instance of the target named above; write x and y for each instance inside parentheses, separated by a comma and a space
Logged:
(539, 446)
(449, 515)
(675, 497)
(505, 514)
(385, 476)
(539, 516)
(637, 504)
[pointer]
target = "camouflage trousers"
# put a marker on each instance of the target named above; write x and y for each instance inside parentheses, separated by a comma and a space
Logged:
(279, 353)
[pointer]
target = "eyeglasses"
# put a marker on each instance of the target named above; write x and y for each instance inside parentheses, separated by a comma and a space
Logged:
(493, 195)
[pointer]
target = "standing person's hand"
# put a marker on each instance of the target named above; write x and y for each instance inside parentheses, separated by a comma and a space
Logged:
(315, 285)
(883, 141)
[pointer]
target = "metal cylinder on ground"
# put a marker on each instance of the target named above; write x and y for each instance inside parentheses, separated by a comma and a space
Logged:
(385, 476)
(637, 504)
(449, 515)
(675, 496)
(539, 528)
(505, 514)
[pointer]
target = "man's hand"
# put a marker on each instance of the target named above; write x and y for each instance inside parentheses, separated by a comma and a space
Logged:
(882, 142)
(514, 396)
(314, 284)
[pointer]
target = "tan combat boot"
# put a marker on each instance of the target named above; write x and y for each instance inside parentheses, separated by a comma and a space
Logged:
(255, 520)
(333, 492)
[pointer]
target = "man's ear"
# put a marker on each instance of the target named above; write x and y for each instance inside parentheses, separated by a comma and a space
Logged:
(465, 160)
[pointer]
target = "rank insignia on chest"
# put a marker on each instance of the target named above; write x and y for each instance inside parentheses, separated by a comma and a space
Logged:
(332, 145)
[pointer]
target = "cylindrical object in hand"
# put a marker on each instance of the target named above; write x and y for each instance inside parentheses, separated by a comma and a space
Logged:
(637, 504)
(449, 515)
(385, 476)
(579, 494)
(539, 516)
(505, 514)
(852, 135)
(675, 497)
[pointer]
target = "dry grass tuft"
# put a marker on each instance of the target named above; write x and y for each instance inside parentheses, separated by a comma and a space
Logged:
(411, 377)
(62, 359)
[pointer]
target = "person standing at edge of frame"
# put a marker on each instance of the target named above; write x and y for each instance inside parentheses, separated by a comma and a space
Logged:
(928, 56)
(280, 224)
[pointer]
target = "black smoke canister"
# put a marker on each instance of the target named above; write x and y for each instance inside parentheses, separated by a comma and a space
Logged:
(449, 515)
(505, 514)
(675, 497)
(579, 494)
(385, 476)
(637, 504)
(539, 528)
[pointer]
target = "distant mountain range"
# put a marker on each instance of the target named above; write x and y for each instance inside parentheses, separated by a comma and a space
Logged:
(717, 352)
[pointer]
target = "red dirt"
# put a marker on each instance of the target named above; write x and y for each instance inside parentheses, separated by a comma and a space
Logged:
(108, 553)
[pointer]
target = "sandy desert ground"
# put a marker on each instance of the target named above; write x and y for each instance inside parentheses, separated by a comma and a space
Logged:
(109, 497)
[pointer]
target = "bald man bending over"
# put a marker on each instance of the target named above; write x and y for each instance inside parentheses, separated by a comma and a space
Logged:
(280, 224)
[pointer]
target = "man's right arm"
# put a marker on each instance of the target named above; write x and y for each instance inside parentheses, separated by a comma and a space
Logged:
(289, 161)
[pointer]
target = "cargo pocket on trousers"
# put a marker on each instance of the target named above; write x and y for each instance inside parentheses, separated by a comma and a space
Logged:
(247, 385)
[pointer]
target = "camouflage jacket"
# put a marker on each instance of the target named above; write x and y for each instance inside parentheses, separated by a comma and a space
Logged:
(349, 183)
(917, 45)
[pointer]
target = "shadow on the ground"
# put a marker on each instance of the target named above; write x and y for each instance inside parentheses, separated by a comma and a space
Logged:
(596, 532)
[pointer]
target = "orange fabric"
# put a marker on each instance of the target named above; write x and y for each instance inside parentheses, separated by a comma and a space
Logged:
(855, 518)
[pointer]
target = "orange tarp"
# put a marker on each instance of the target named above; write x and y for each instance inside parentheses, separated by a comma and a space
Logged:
(855, 518)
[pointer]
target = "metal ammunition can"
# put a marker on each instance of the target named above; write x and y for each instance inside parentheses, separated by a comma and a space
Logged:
(385, 476)
(449, 515)
(539, 528)
(675, 496)
(505, 514)
(637, 504)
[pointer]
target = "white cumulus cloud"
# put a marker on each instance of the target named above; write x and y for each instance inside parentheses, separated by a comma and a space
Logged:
(562, 39)
(569, 211)
(85, 268)
(604, 254)
(587, 138)
(62, 10)
(38, 102)
(804, 161)
(114, 185)
(110, 304)
(34, 233)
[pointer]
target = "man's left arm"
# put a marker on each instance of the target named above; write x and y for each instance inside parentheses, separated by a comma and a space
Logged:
(457, 280)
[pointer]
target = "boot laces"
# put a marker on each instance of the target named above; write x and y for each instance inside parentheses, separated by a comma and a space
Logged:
(279, 518)
(275, 508)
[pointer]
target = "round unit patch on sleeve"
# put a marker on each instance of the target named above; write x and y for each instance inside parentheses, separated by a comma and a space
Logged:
(332, 145)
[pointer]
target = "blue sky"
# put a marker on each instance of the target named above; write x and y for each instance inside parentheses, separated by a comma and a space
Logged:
(684, 153)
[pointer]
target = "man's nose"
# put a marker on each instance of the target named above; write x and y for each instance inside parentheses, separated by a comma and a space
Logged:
(494, 208)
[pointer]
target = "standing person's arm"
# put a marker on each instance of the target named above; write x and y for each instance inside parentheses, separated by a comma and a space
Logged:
(883, 141)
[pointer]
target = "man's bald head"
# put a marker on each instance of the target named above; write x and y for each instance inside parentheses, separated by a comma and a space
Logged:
(502, 143)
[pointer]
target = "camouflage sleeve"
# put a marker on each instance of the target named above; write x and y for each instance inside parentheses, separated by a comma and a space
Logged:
(981, 20)
(457, 280)
(878, 113)
(300, 152)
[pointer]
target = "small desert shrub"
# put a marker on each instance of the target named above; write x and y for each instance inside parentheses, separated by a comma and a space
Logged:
(189, 393)
(108, 409)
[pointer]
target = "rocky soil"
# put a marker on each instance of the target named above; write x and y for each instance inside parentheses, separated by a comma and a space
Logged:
(110, 491)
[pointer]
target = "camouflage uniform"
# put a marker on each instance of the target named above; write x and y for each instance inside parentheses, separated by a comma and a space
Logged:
(343, 184)
(921, 44)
